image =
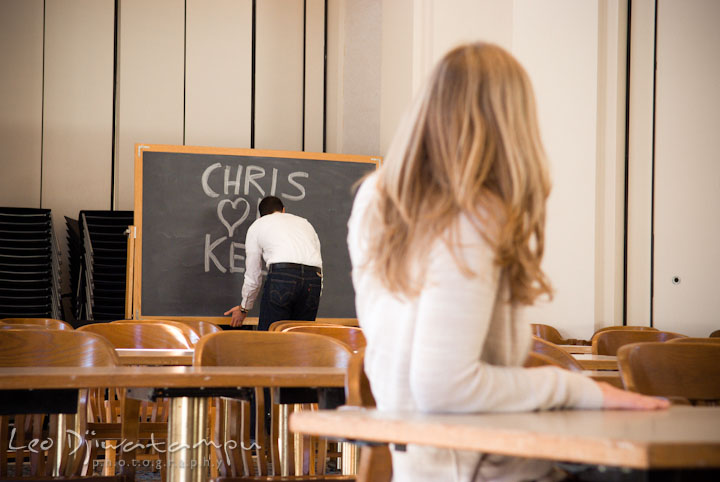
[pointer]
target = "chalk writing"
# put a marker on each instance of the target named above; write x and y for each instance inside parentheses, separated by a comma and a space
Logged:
(241, 184)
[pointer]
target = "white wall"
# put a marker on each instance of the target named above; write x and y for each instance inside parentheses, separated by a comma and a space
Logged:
(175, 83)
(21, 34)
(150, 84)
(558, 43)
(687, 171)
(183, 76)
(218, 51)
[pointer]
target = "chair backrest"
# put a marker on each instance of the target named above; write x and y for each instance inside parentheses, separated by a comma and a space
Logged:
(350, 336)
(715, 334)
(59, 348)
(547, 332)
(49, 348)
(281, 325)
(190, 333)
(688, 339)
(560, 356)
(625, 327)
(688, 370)
(260, 348)
(535, 359)
(271, 349)
(202, 327)
(45, 322)
(140, 335)
(4, 326)
(340, 321)
(608, 342)
(357, 386)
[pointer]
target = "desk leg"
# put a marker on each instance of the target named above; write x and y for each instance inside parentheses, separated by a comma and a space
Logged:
(130, 432)
(58, 427)
(284, 440)
(350, 457)
(187, 440)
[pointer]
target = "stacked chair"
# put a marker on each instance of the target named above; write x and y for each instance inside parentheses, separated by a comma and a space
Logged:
(100, 288)
(75, 256)
(29, 264)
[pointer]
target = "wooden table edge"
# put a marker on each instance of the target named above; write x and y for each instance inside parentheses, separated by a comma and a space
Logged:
(579, 449)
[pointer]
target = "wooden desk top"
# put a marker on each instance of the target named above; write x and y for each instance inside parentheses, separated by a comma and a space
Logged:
(168, 377)
(682, 436)
(572, 349)
(609, 376)
(597, 362)
(153, 356)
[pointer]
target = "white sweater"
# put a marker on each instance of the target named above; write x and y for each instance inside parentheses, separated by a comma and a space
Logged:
(455, 348)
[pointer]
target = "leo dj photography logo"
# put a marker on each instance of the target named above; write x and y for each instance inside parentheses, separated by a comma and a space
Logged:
(76, 441)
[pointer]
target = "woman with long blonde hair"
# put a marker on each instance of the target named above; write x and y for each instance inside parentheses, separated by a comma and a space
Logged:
(446, 241)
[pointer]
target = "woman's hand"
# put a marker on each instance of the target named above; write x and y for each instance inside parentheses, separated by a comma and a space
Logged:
(615, 398)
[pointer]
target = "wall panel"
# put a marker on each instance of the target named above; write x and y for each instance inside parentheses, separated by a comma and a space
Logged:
(279, 75)
(640, 152)
(687, 172)
(151, 83)
(314, 75)
(78, 115)
(361, 92)
(21, 55)
(218, 73)
(557, 43)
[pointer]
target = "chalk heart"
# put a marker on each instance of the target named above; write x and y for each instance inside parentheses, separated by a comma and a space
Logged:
(234, 204)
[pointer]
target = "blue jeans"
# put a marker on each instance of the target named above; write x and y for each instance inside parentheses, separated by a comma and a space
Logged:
(290, 294)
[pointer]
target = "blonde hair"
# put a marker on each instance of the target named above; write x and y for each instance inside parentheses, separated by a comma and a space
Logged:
(470, 146)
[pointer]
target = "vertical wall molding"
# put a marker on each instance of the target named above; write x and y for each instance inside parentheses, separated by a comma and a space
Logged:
(640, 163)
(610, 162)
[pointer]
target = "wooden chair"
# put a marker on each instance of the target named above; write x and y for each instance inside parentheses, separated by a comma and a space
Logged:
(551, 334)
(688, 339)
(535, 359)
(608, 342)
(281, 325)
(686, 370)
(5, 326)
(201, 327)
(264, 349)
(715, 334)
(140, 335)
(352, 337)
(375, 460)
(47, 348)
(46, 322)
(557, 354)
(624, 327)
(152, 416)
(189, 332)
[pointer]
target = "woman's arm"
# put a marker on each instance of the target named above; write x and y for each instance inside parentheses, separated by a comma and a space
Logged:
(454, 316)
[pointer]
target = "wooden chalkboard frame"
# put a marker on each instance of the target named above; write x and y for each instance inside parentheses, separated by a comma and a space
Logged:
(134, 289)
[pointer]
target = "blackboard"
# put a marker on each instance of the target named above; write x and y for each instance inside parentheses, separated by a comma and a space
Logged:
(193, 206)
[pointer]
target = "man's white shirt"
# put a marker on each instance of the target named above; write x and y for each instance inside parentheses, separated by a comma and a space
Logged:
(277, 238)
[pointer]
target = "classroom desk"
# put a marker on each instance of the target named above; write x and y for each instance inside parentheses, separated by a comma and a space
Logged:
(189, 387)
(681, 437)
(573, 349)
(609, 376)
(597, 362)
(155, 356)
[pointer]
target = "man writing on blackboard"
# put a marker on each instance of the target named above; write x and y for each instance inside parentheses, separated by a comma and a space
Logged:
(291, 249)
